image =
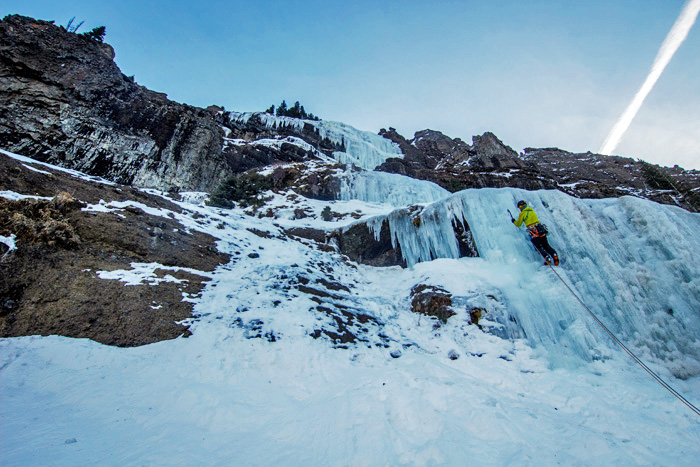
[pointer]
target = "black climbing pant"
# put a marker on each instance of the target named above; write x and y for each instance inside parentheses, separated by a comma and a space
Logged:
(542, 245)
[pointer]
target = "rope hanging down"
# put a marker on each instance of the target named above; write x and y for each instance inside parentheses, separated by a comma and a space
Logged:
(629, 352)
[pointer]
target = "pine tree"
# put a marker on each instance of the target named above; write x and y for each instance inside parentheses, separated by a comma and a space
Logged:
(282, 109)
(97, 33)
(327, 214)
(295, 111)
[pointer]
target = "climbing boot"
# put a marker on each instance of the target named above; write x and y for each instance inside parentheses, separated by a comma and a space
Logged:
(556, 260)
(547, 262)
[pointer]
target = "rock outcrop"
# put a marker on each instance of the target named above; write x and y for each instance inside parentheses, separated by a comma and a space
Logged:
(360, 245)
(65, 101)
(589, 175)
(488, 162)
(251, 144)
(431, 300)
(51, 281)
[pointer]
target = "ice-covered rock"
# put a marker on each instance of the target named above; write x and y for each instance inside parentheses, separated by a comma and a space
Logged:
(361, 148)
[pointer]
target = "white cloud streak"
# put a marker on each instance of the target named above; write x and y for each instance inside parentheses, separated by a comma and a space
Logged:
(673, 41)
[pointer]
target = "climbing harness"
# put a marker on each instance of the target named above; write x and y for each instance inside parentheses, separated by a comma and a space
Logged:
(538, 230)
(629, 352)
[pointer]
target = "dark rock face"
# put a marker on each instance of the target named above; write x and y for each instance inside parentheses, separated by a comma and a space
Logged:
(455, 165)
(360, 245)
(589, 175)
(64, 100)
(488, 162)
(491, 153)
(248, 154)
(415, 157)
(440, 147)
(465, 239)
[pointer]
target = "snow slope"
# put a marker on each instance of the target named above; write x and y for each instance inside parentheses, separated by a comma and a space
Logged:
(542, 387)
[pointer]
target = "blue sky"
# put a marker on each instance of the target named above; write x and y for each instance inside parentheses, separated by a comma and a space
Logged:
(537, 73)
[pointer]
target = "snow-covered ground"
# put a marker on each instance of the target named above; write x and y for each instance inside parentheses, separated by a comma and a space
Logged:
(541, 385)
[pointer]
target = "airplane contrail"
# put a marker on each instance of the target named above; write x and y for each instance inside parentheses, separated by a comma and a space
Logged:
(675, 38)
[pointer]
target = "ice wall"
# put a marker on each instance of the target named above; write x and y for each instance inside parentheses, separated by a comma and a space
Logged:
(395, 190)
(362, 148)
(634, 262)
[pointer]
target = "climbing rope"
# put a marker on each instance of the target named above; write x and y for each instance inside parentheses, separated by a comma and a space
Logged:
(629, 352)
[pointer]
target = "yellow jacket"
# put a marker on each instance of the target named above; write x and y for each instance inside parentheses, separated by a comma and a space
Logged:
(528, 216)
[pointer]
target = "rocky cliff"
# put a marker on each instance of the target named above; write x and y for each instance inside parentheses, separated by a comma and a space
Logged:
(63, 100)
(488, 162)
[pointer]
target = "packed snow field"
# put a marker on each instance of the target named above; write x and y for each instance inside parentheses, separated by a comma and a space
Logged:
(541, 384)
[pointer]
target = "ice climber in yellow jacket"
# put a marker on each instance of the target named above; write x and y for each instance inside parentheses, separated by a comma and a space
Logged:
(537, 231)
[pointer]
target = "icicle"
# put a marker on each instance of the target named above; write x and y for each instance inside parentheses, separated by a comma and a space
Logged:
(423, 234)
(375, 227)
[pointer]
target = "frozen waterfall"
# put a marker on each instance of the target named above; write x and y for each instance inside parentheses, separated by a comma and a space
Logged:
(395, 190)
(362, 148)
(634, 262)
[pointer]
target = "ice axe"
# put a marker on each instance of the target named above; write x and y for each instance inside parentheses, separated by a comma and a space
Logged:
(511, 215)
